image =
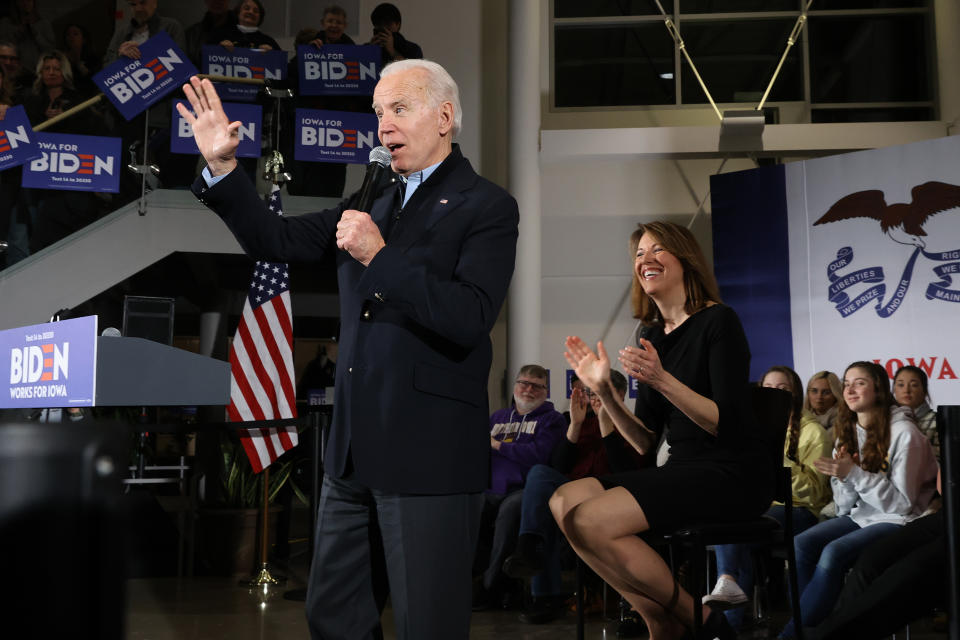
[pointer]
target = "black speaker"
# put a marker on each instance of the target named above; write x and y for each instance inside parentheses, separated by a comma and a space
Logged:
(150, 318)
(60, 529)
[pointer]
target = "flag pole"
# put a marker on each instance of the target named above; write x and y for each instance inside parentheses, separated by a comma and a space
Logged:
(264, 580)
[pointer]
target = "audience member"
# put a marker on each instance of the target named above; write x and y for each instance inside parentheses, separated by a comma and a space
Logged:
(9, 188)
(883, 475)
(19, 78)
(25, 28)
(217, 17)
(58, 213)
(910, 390)
(144, 24)
(319, 179)
(334, 26)
(245, 33)
(320, 373)
(386, 34)
(17, 207)
(896, 580)
(691, 363)
(79, 51)
(592, 447)
(806, 442)
(521, 437)
(823, 398)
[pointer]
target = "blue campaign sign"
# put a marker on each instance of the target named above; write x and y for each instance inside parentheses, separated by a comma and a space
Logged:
(338, 70)
(249, 115)
(74, 163)
(50, 365)
(334, 136)
(242, 63)
(134, 85)
(17, 140)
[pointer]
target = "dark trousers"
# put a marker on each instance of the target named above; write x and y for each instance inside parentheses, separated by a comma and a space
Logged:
(498, 532)
(896, 579)
(418, 547)
(536, 519)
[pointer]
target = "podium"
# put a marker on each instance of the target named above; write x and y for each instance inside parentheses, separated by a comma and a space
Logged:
(66, 364)
(140, 372)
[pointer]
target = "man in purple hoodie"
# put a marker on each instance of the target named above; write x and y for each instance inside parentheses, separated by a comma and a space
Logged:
(521, 436)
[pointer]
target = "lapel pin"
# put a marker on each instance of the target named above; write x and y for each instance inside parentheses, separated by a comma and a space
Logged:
(444, 201)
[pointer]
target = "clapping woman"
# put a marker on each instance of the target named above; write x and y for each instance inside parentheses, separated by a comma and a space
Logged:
(692, 362)
(883, 474)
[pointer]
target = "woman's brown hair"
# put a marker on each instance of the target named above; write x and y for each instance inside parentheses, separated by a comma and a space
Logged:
(796, 406)
(875, 447)
(699, 285)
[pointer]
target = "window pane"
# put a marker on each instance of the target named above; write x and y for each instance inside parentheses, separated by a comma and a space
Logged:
(732, 6)
(737, 59)
(885, 114)
(613, 66)
(597, 8)
(869, 59)
(869, 4)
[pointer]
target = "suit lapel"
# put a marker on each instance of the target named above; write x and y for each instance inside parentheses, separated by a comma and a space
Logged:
(433, 201)
(384, 206)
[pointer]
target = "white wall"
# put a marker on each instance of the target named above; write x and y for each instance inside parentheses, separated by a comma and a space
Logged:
(591, 205)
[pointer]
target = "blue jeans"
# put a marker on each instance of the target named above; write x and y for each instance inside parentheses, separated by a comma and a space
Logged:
(736, 559)
(824, 553)
(536, 519)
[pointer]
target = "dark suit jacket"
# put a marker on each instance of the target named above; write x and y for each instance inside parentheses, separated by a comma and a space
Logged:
(415, 352)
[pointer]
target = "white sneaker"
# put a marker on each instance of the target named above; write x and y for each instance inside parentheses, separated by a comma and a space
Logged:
(727, 594)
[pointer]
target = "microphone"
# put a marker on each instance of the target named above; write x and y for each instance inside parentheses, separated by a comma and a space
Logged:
(379, 161)
(111, 332)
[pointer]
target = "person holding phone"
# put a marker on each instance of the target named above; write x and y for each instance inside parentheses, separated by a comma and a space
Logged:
(386, 34)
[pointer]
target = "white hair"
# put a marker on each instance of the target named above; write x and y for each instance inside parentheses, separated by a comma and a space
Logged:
(440, 87)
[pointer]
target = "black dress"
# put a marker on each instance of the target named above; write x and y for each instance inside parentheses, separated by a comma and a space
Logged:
(707, 478)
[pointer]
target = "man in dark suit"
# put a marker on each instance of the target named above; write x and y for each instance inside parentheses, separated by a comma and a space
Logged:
(422, 277)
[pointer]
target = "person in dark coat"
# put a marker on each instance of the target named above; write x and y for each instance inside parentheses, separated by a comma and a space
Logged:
(422, 277)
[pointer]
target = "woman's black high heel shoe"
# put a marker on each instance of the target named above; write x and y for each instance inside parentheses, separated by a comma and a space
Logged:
(716, 627)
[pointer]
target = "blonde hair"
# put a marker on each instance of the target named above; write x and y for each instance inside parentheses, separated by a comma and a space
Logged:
(65, 69)
(832, 381)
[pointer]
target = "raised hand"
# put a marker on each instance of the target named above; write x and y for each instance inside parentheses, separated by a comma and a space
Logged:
(216, 137)
(578, 406)
(592, 368)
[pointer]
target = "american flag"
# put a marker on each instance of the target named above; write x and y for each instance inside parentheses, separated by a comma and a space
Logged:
(261, 361)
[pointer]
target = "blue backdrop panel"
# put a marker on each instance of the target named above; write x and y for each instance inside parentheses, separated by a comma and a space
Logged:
(752, 262)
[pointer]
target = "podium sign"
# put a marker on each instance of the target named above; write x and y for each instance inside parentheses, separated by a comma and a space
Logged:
(50, 365)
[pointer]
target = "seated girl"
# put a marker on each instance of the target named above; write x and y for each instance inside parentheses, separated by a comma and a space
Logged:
(883, 474)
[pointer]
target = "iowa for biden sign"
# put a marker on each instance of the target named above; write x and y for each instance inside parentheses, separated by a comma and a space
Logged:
(74, 163)
(334, 70)
(334, 136)
(249, 116)
(134, 85)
